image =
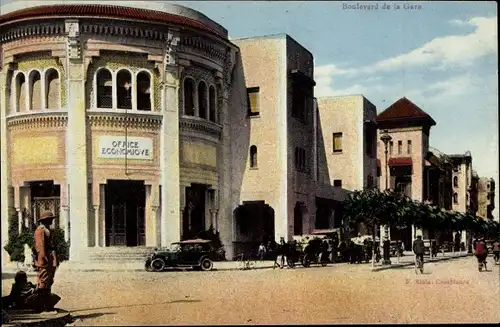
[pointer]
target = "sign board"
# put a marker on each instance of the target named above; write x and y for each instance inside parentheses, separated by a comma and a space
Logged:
(135, 148)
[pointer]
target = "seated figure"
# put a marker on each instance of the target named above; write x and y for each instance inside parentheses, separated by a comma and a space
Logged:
(24, 295)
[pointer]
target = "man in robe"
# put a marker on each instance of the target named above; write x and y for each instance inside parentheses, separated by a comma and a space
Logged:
(45, 260)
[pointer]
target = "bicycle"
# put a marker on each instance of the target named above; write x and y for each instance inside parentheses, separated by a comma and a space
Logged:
(245, 262)
(419, 265)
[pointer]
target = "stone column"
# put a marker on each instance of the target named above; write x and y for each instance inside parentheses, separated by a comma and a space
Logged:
(18, 207)
(154, 216)
(213, 218)
(63, 217)
(226, 200)
(102, 214)
(96, 226)
(169, 153)
(5, 178)
(150, 214)
(76, 142)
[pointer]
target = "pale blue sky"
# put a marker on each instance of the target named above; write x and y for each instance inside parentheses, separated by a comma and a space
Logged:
(443, 57)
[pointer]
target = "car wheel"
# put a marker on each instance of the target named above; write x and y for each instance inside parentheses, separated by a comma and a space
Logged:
(206, 264)
(158, 264)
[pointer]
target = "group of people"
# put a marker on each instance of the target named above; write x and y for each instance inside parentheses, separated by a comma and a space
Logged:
(326, 250)
(24, 294)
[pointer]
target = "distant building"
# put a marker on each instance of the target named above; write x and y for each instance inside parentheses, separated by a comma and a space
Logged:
(349, 130)
(486, 197)
(409, 127)
(464, 183)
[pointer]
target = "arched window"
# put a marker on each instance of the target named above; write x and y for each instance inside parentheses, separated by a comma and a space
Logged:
(52, 89)
(253, 156)
(124, 89)
(202, 99)
(104, 89)
(143, 91)
(35, 90)
(188, 97)
(455, 198)
(211, 103)
(20, 104)
(455, 181)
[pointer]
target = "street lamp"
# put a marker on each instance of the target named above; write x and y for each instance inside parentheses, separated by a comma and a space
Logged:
(386, 138)
(127, 87)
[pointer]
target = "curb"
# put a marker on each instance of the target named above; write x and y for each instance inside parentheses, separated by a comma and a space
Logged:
(399, 265)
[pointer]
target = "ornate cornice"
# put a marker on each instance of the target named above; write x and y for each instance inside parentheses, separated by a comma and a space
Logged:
(120, 120)
(38, 120)
(53, 28)
(192, 124)
(202, 45)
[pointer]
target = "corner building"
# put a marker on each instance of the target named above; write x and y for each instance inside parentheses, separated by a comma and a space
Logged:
(121, 120)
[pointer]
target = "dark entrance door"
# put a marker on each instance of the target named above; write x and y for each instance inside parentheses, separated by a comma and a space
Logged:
(125, 202)
(194, 214)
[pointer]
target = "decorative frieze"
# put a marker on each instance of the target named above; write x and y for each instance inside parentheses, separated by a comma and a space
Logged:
(72, 29)
(38, 121)
(151, 123)
(202, 45)
(199, 126)
(126, 31)
(52, 28)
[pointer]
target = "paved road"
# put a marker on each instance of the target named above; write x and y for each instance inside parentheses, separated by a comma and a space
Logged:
(446, 293)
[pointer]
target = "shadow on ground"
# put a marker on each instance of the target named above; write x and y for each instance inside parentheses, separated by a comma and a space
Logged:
(134, 305)
(92, 315)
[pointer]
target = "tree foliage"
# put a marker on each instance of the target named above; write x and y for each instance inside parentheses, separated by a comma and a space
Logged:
(375, 207)
(15, 245)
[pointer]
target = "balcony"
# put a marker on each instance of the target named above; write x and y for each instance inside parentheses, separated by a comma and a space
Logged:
(196, 125)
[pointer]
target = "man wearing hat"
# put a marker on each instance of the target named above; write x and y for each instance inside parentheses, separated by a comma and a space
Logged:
(45, 257)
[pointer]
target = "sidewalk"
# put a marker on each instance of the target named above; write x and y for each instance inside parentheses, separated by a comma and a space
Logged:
(130, 266)
(409, 260)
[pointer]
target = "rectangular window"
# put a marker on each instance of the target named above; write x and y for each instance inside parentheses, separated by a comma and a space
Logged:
(300, 159)
(337, 142)
(400, 147)
(391, 147)
(409, 147)
(337, 182)
(253, 101)
(300, 103)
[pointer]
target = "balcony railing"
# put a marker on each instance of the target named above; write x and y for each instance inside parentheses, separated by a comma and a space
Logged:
(198, 125)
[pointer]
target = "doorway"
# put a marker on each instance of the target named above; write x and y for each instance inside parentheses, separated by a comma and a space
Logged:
(125, 223)
(193, 221)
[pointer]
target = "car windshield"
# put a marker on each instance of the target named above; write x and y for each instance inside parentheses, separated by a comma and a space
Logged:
(175, 247)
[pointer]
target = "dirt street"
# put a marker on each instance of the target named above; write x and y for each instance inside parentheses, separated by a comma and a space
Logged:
(447, 293)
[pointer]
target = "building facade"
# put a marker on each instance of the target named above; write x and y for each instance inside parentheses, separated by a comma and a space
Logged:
(348, 128)
(486, 198)
(464, 183)
(282, 181)
(121, 120)
(409, 127)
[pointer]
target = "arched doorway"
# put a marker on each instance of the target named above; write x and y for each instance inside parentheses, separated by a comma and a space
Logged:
(254, 223)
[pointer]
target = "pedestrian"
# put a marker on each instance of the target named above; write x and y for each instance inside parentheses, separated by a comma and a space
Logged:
(46, 261)
(481, 253)
(262, 251)
(496, 251)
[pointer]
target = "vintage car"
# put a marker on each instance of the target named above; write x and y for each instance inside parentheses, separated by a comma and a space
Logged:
(197, 253)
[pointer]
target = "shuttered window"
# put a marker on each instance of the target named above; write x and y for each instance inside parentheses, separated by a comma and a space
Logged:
(253, 101)
(337, 142)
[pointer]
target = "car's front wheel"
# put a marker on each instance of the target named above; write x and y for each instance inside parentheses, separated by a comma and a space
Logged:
(206, 264)
(158, 264)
